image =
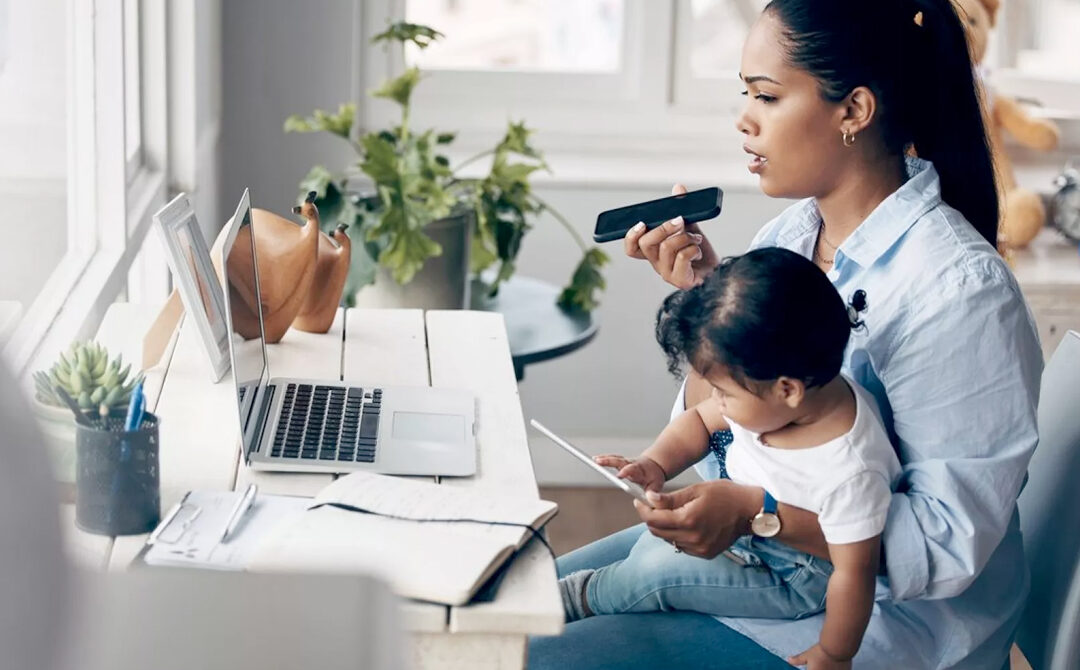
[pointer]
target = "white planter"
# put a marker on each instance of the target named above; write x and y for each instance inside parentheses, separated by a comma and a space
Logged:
(58, 428)
(441, 284)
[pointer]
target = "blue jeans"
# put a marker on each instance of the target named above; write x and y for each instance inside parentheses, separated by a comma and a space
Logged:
(670, 640)
(764, 579)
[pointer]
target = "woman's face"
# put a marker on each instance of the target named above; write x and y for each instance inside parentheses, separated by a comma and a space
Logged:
(791, 133)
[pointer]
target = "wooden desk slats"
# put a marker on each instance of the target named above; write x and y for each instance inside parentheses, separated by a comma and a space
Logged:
(460, 349)
(386, 347)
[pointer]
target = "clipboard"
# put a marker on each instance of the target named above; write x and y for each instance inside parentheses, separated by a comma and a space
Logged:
(191, 533)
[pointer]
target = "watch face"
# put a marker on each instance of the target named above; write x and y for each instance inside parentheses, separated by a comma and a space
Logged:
(765, 524)
(1066, 215)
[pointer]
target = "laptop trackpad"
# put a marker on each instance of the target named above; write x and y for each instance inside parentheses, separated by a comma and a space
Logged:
(447, 429)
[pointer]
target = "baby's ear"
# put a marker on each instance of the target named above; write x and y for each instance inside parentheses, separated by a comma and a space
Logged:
(790, 391)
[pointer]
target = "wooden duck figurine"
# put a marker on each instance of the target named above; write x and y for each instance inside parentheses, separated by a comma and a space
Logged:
(287, 257)
(331, 269)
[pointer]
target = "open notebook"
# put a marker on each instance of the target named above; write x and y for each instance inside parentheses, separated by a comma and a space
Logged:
(443, 562)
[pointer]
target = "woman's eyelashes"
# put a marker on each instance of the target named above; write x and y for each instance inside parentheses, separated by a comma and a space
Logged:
(762, 97)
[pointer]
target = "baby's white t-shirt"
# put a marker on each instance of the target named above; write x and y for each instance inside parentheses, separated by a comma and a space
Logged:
(847, 481)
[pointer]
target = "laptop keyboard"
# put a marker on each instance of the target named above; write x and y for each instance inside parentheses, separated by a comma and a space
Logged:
(328, 423)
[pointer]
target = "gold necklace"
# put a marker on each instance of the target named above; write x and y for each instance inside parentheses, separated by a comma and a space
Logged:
(821, 234)
(817, 247)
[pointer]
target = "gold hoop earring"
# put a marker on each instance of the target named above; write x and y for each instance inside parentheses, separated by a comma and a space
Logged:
(847, 138)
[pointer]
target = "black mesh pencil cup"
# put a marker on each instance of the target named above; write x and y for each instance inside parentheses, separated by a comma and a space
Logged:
(117, 478)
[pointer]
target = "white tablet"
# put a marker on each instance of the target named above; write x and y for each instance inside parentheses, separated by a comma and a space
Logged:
(607, 473)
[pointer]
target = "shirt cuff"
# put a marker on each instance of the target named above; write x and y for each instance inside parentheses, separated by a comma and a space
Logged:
(856, 531)
(905, 551)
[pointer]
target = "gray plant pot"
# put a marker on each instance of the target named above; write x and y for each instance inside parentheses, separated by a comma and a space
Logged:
(443, 283)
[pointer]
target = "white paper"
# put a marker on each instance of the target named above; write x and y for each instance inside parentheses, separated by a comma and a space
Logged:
(198, 545)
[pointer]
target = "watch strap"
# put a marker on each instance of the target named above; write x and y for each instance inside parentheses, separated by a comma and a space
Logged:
(769, 506)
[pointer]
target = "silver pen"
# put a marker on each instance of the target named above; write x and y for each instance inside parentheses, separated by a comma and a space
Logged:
(239, 510)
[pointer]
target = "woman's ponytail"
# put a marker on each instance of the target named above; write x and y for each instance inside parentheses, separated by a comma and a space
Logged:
(946, 116)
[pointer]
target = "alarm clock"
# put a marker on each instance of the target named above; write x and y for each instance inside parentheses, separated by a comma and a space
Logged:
(1065, 204)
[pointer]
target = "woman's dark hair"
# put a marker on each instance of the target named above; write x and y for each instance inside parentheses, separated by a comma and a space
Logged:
(922, 75)
(765, 314)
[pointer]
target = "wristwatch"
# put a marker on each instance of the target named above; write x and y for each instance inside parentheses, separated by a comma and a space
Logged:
(766, 523)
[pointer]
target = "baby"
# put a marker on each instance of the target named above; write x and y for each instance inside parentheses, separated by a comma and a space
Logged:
(768, 331)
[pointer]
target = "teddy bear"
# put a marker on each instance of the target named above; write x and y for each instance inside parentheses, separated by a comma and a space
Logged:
(1022, 211)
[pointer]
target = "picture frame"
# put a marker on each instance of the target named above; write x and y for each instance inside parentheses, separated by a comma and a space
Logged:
(196, 279)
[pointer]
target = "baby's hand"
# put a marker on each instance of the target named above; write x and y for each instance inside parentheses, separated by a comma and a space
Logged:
(644, 472)
(815, 658)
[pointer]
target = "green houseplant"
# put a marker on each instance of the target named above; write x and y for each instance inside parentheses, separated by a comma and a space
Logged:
(415, 186)
(97, 382)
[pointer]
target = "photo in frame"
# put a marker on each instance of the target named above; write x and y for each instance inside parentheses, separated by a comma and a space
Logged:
(195, 278)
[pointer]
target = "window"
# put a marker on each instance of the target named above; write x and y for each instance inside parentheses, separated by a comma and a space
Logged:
(521, 35)
(38, 244)
(132, 89)
(1052, 48)
(658, 78)
(81, 137)
(508, 60)
(1036, 54)
(708, 48)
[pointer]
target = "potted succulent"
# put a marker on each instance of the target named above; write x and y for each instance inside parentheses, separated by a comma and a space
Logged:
(422, 212)
(96, 382)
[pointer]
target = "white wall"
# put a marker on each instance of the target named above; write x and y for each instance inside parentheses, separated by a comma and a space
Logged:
(280, 58)
(612, 395)
(195, 107)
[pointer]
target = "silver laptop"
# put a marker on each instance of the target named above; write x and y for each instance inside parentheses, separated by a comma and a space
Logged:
(326, 425)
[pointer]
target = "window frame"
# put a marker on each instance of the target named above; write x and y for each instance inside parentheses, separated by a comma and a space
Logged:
(600, 122)
(133, 39)
(110, 203)
(715, 94)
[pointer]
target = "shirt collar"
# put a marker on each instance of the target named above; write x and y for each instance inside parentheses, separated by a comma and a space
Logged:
(885, 225)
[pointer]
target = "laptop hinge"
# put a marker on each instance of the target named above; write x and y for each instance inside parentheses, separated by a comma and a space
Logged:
(260, 420)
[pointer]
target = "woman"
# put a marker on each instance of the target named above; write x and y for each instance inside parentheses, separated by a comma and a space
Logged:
(838, 91)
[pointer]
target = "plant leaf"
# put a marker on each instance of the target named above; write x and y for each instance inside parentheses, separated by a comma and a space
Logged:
(402, 31)
(399, 89)
(579, 295)
(338, 124)
(380, 159)
(407, 252)
(516, 141)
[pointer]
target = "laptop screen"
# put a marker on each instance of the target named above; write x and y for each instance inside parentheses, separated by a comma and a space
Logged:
(244, 313)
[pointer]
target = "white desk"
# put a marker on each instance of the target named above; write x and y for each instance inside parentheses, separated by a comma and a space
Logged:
(463, 349)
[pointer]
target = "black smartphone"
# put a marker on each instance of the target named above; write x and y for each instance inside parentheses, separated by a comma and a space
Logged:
(693, 207)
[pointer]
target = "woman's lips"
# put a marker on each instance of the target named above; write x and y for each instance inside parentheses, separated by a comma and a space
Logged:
(757, 161)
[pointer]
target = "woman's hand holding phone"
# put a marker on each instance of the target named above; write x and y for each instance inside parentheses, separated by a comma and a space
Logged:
(679, 253)
(645, 472)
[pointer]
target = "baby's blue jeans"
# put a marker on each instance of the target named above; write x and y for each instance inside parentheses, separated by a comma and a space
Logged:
(764, 579)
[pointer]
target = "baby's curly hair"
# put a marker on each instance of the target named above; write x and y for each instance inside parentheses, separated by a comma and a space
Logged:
(765, 314)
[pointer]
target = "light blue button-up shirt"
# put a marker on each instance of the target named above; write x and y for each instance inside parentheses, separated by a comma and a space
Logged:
(951, 354)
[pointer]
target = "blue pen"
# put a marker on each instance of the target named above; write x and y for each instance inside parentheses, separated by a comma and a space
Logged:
(136, 408)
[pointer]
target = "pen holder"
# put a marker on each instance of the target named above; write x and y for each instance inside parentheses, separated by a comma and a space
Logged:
(117, 479)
